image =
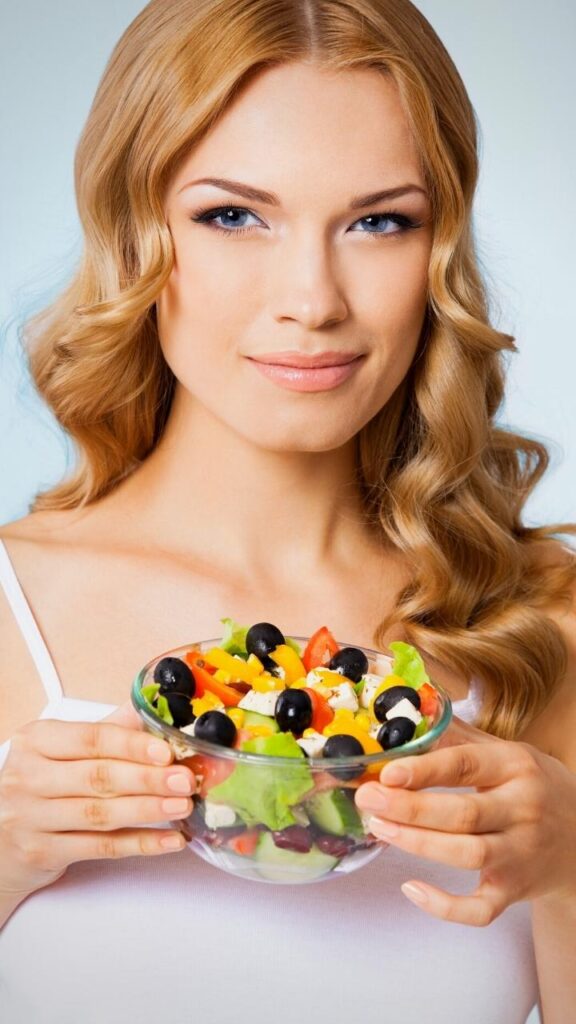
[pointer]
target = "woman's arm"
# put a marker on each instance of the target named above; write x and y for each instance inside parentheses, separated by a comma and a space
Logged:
(554, 916)
(554, 932)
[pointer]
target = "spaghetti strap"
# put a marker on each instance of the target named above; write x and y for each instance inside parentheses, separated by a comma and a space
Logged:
(29, 628)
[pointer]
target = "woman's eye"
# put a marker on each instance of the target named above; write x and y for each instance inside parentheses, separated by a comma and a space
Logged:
(392, 223)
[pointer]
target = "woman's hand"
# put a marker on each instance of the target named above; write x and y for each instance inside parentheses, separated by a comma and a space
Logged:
(518, 829)
(72, 791)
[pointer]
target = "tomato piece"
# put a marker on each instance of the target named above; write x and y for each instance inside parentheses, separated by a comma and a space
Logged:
(245, 843)
(213, 770)
(320, 648)
(428, 699)
(322, 712)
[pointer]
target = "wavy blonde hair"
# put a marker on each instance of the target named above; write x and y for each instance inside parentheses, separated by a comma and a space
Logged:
(445, 485)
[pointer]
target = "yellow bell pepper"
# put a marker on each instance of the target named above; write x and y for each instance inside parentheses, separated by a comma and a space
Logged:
(209, 702)
(222, 676)
(362, 719)
(266, 682)
(299, 684)
(344, 723)
(330, 678)
(238, 668)
(237, 716)
(286, 657)
(260, 730)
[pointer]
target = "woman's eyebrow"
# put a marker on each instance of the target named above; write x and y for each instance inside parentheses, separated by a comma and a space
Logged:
(259, 195)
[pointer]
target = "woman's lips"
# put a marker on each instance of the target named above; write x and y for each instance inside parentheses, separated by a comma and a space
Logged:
(296, 378)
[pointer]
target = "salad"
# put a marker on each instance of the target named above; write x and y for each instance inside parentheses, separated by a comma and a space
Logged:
(319, 707)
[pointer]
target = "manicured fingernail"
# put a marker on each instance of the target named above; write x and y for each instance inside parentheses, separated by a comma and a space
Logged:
(394, 775)
(160, 753)
(414, 892)
(383, 828)
(179, 783)
(174, 805)
(172, 843)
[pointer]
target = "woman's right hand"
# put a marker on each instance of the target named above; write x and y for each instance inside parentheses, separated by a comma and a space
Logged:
(72, 791)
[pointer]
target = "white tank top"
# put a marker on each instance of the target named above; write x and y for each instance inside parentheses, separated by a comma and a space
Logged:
(172, 938)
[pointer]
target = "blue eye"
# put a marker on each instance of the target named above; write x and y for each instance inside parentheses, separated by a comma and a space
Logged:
(210, 216)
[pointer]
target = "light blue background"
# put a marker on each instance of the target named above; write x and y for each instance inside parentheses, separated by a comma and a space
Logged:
(517, 61)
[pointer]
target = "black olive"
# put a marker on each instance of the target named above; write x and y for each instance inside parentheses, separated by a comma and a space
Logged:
(293, 711)
(215, 727)
(343, 745)
(395, 732)
(174, 676)
(180, 708)
(388, 699)
(294, 837)
(351, 662)
(262, 638)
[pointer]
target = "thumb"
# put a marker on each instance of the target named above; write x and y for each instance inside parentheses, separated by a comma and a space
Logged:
(459, 732)
(126, 714)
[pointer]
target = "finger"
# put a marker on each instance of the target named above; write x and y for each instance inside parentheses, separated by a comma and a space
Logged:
(446, 812)
(67, 848)
(467, 764)
(74, 741)
(125, 715)
(74, 814)
(106, 778)
(470, 852)
(478, 909)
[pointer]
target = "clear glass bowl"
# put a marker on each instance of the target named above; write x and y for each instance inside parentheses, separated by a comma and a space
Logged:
(323, 833)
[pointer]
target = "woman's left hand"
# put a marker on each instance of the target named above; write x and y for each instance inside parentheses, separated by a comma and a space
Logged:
(518, 829)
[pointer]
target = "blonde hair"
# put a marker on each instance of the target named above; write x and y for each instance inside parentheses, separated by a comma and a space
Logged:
(445, 485)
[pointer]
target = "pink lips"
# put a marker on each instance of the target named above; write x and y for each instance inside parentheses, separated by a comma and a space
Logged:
(299, 372)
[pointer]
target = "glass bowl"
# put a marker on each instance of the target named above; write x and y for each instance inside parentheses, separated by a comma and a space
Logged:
(282, 820)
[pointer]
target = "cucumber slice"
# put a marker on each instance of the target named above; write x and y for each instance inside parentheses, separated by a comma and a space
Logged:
(334, 812)
(255, 718)
(279, 865)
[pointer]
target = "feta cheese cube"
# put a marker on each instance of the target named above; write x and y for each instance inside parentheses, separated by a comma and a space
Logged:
(218, 815)
(404, 709)
(383, 664)
(344, 696)
(263, 703)
(371, 684)
(312, 743)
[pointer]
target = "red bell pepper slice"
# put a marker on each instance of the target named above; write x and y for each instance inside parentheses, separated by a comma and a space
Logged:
(322, 713)
(204, 681)
(320, 648)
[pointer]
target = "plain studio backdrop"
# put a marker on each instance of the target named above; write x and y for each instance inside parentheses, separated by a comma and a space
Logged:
(517, 62)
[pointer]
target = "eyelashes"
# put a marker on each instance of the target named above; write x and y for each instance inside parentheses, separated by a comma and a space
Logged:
(209, 216)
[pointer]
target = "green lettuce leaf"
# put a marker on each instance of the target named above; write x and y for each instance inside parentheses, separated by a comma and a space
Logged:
(408, 664)
(295, 647)
(234, 639)
(157, 702)
(262, 794)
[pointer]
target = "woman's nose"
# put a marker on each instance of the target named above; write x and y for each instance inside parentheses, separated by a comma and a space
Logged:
(308, 285)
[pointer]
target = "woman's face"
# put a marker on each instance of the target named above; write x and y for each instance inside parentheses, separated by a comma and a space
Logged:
(306, 274)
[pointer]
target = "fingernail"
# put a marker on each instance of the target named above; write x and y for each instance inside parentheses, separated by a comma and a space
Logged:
(174, 805)
(179, 783)
(394, 775)
(383, 828)
(414, 892)
(160, 753)
(172, 843)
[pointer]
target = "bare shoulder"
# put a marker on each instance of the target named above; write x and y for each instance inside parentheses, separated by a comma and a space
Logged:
(555, 728)
(21, 693)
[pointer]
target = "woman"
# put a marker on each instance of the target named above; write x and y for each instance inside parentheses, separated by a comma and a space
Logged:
(379, 498)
